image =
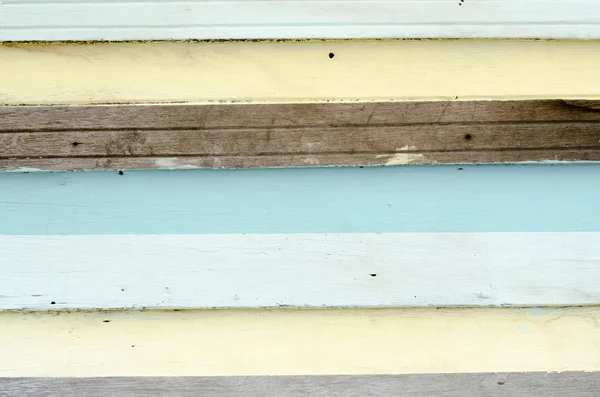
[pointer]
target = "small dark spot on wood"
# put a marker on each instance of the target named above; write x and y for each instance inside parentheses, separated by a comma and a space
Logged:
(106, 321)
(500, 383)
(468, 137)
(75, 144)
(331, 55)
(176, 310)
(53, 303)
(373, 274)
(120, 172)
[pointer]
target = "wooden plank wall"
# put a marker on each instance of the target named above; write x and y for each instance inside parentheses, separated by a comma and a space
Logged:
(85, 256)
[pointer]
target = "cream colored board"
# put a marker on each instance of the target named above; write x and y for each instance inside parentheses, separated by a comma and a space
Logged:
(298, 342)
(297, 71)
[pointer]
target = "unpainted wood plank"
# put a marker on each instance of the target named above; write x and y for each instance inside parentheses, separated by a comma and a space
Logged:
(188, 116)
(321, 140)
(237, 136)
(533, 384)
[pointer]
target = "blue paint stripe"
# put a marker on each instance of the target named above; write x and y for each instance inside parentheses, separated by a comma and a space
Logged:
(494, 198)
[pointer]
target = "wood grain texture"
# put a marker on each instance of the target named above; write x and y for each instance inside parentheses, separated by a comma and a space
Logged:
(533, 384)
(232, 136)
(298, 342)
(123, 20)
(294, 72)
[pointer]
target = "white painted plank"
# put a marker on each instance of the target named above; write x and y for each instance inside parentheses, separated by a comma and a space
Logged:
(299, 270)
(124, 20)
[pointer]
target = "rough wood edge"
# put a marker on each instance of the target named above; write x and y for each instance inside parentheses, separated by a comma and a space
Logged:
(366, 134)
(533, 384)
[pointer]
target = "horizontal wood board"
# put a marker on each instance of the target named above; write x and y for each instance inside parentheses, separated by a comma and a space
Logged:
(249, 19)
(299, 270)
(422, 199)
(536, 384)
(298, 342)
(292, 72)
(277, 135)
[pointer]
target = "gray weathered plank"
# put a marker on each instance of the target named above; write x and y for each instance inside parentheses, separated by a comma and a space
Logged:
(566, 384)
(265, 135)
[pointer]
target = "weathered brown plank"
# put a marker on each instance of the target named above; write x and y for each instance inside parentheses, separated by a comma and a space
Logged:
(566, 384)
(319, 140)
(129, 136)
(47, 118)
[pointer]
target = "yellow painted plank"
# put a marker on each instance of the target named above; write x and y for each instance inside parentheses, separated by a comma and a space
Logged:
(298, 71)
(298, 342)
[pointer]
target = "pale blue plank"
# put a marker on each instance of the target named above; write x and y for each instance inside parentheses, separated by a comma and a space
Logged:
(492, 198)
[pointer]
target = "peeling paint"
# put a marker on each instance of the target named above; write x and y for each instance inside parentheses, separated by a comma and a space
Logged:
(406, 148)
(401, 158)
(172, 163)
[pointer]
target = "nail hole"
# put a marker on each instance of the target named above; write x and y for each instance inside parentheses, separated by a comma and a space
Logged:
(331, 55)
(75, 144)
(468, 137)
(53, 303)
(500, 383)
(120, 172)
(373, 274)
(106, 321)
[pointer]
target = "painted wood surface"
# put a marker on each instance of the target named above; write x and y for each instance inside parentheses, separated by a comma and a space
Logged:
(432, 199)
(275, 135)
(298, 72)
(298, 270)
(124, 20)
(351, 237)
(565, 384)
(298, 342)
